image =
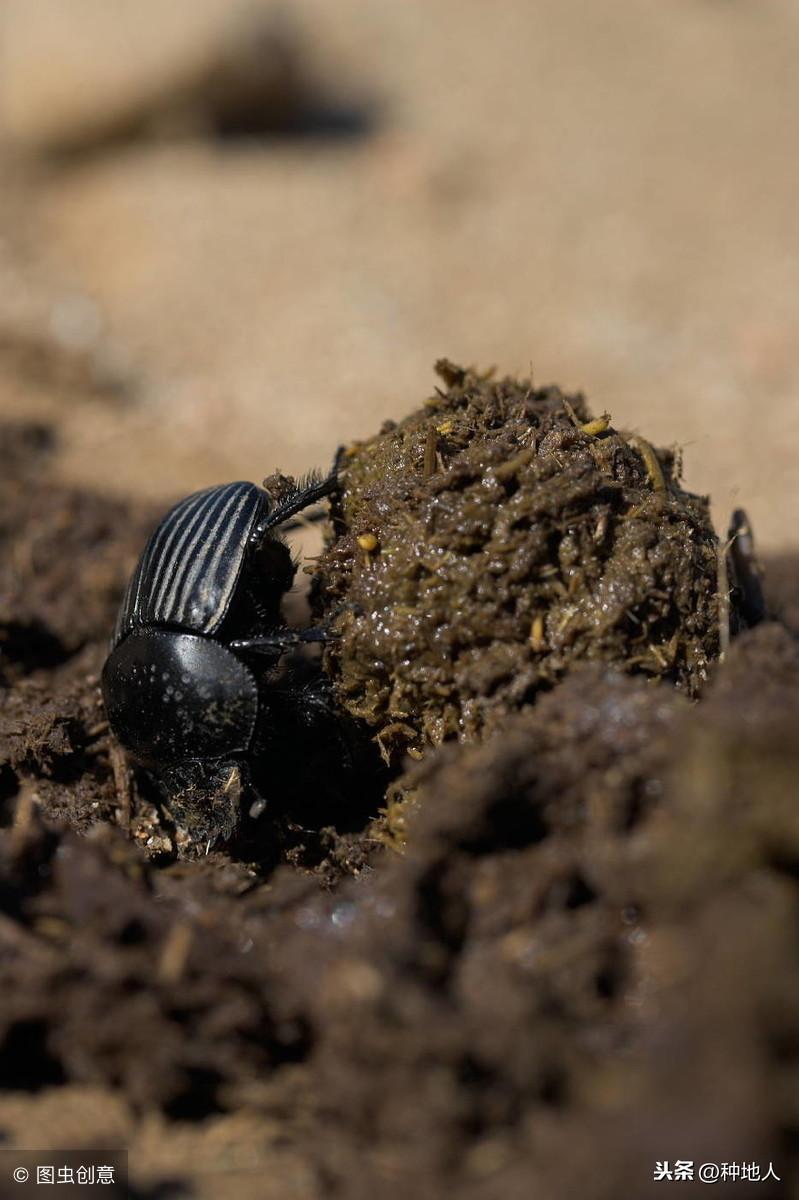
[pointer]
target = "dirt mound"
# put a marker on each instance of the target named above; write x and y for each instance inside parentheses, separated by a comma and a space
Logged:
(583, 963)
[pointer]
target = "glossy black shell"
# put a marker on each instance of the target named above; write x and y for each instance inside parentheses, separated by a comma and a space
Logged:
(168, 693)
(189, 569)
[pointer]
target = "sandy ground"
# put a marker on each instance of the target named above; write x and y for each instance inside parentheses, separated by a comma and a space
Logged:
(603, 193)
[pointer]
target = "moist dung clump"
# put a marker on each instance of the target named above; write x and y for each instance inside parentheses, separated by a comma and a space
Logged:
(494, 539)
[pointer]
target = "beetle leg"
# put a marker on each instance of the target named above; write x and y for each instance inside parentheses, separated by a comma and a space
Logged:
(746, 570)
(318, 708)
(286, 639)
(305, 519)
(303, 496)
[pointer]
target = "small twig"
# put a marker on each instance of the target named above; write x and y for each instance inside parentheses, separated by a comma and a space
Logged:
(537, 636)
(597, 426)
(572, 415)
(23, 817)
(508, 469)
(121, 773)
(430, 448)
(651, 462)
(175, 953)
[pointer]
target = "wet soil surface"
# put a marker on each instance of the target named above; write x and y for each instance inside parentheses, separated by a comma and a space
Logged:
(582, 962)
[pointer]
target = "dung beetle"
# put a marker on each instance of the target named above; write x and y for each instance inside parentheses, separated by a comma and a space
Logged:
(191, 684)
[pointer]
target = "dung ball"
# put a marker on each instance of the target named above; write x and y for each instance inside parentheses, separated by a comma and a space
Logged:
(494, 538)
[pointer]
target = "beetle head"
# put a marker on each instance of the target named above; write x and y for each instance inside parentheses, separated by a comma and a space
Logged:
(204, 798)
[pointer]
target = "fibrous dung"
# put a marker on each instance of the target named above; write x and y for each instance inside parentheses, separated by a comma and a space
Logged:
(496, 537)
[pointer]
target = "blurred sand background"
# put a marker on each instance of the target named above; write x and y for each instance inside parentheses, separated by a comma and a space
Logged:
(603, 193)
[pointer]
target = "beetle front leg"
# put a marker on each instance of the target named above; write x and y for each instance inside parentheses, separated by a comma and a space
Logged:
(318, 710)
(746, 572)
(286, 639)
(307, 492)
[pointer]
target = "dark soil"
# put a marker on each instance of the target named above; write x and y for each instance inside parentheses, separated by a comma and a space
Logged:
(584, 960)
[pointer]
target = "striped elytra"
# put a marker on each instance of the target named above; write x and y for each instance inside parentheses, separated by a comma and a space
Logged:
(189, 569)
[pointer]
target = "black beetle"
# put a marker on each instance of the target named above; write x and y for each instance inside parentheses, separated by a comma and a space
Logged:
(189, 684)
